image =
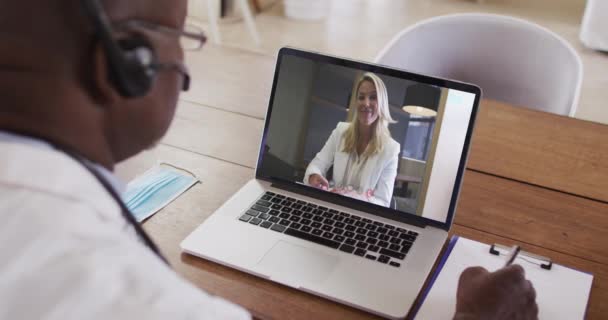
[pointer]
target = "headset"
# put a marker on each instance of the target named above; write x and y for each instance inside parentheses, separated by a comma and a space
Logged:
(132, 60)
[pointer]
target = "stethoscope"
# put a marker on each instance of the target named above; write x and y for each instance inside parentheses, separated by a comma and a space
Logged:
(126, 213)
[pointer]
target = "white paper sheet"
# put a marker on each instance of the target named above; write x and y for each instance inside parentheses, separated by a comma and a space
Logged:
(562, 293)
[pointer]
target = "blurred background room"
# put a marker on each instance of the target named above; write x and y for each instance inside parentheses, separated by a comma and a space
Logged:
(360, 29)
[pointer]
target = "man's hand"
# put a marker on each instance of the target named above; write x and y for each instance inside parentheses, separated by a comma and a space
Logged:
(504, 294)
(318, 181)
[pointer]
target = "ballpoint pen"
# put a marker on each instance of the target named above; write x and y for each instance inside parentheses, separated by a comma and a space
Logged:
(512, 255)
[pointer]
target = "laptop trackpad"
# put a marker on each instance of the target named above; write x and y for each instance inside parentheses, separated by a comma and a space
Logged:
(294, 265)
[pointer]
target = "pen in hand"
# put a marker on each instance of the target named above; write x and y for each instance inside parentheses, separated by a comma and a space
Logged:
(512, 255)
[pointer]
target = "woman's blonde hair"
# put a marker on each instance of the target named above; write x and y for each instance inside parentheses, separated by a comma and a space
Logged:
(380, 132)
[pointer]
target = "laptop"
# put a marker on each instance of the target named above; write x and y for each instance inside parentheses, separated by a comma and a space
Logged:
(361, 227)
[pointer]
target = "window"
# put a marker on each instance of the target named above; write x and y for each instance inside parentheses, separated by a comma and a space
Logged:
(418, 138)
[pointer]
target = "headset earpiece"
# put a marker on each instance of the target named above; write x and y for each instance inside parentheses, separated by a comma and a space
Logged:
(138, 66)
(130, 60)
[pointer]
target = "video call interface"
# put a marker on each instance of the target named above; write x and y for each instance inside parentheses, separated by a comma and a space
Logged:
(389, 141)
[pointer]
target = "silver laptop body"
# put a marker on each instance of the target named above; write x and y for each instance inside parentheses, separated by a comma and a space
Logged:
(368, 256)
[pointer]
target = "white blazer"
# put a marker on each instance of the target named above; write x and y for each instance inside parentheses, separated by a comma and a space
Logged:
(66, 251)
(379, 173)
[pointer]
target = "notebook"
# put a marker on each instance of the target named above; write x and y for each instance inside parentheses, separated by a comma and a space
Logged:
(562, 293)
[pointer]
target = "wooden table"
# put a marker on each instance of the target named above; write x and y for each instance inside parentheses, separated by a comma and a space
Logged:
(533, 178)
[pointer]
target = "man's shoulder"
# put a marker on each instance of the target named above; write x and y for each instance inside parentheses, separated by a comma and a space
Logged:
(47, 171)
(63, 244)
(39, 213)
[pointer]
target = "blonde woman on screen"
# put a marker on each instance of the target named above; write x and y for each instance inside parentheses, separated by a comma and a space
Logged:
(362, 152)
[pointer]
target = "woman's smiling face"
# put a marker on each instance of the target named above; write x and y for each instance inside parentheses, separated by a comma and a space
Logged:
(367, 103)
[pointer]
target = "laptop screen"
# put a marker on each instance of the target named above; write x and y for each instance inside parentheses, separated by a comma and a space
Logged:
(388, 141)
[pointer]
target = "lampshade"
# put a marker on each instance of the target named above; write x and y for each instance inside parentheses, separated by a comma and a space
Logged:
(421, 100)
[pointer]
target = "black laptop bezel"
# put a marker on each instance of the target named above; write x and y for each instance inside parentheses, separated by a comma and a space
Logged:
(359, 204)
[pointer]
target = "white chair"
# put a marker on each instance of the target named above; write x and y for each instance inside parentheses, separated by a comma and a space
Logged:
(212, 15)
(512, 60)
(594, 28)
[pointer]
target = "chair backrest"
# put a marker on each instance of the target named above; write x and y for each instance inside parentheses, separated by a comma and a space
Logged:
(512, 60)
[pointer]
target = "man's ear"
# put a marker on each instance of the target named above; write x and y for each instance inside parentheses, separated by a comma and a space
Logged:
(106, 91)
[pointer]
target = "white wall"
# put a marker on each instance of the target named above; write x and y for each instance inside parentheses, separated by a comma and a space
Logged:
(459, 106)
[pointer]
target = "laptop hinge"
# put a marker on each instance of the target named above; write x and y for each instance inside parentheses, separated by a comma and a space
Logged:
(349, 203)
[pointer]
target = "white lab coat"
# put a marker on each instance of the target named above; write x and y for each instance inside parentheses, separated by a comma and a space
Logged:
(379, 173)
(66, 252)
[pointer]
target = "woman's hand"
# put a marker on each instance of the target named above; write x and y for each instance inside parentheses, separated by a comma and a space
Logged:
(318, 181)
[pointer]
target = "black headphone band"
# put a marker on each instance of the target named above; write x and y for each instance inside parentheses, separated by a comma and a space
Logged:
(96, 14)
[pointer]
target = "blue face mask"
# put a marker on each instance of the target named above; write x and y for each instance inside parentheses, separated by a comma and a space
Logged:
(154, 190)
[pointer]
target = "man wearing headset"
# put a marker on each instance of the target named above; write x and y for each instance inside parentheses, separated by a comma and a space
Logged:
(85, 84)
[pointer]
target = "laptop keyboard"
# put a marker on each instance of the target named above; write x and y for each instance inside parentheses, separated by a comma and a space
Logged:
(362, 237)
